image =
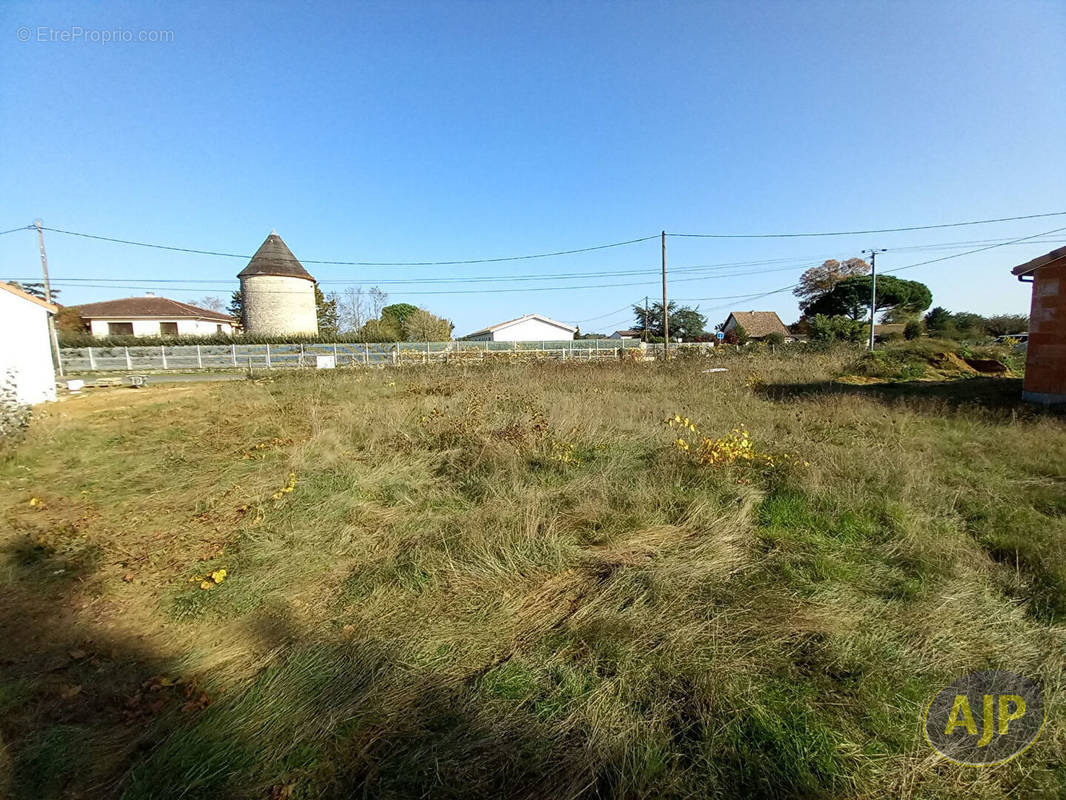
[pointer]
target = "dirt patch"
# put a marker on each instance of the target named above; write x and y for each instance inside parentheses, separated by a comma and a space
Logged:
(988, 366)
(949, 362)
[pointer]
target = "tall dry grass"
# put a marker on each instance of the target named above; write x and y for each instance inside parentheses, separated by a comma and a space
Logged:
(505, 580)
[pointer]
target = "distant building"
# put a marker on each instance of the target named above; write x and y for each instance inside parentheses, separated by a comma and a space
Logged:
(1045, 359)
(757, 324)
(152, 316)
(530, 328)
(278, 293)
(630, 334)
(25, 346)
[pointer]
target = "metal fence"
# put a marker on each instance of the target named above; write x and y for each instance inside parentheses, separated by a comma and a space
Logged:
(287, 356)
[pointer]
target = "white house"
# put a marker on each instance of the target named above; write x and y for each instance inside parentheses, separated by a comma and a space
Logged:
(629, 334)
(530, 328)
(152, 316)
(25, 346)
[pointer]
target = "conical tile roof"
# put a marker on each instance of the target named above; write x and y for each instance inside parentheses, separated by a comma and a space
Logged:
(274, 258)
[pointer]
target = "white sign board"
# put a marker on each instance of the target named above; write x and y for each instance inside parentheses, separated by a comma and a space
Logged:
(325, 362)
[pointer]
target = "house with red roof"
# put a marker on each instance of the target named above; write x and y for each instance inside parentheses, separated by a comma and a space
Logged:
(152, 316)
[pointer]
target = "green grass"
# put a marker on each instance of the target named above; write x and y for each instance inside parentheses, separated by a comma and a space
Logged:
(507, 581)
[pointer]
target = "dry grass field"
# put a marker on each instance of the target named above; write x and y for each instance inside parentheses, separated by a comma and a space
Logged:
(517, 580)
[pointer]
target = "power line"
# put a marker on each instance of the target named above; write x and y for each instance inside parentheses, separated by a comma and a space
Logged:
(897, 269)
(978, 250)
(795, 262)
(608, 314)
(141, 285)
(551, 254)
(358, 263)
(223, 284)
(23, 228)
(857, 233)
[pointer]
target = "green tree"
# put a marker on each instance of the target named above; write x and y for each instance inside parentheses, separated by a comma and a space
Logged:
(422, 326)
(839, 328)
(326, 307)
(851, 297)
(398, 313)
(937, 321)
(236, 308)
(376, 330)
(1003, 324)
(912, 330)
(685, 322)
(776, 338)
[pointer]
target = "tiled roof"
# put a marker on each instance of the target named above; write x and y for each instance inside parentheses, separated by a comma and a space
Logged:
(759, 323)
(1040, 261)
(274, 258)
(148, 307)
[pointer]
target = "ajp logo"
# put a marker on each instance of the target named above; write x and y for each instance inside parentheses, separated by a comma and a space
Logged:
(985, 718)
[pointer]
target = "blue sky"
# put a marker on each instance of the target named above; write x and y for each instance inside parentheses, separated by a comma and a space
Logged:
(430, 131)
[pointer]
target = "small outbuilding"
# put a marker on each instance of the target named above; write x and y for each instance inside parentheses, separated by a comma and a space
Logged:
(629, 334)
(528, 328)
(25, 346)
(152, 316)
(1045, 360)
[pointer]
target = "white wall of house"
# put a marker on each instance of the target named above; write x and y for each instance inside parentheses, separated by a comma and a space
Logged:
(527, 330)
(25, 349)
(150, 327)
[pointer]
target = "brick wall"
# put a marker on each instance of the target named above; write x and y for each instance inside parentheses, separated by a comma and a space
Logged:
(1045, 364)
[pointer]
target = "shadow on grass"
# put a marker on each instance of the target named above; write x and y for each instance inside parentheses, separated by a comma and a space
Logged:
(87, 712)
(994, 394)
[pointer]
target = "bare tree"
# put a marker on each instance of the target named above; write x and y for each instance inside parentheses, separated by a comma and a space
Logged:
(819, 281)
(352, 307)
(211, 303)
(378, 300)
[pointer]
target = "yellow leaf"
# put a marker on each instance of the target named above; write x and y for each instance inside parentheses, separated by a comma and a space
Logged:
(218, 575)
(206, 585)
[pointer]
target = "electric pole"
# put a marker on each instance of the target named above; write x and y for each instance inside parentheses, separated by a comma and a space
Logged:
(873, 290)
(666, 313)
(48, 299)
(645, 319)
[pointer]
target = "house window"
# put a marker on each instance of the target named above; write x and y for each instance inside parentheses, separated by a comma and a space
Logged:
(120, 329)
(168, 329)
(218, 329)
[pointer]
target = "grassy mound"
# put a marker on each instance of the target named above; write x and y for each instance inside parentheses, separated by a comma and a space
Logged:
(932, 360)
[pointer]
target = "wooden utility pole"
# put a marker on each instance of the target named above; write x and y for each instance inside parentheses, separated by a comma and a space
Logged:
(873, 290)
(666, 313)
(48, 299)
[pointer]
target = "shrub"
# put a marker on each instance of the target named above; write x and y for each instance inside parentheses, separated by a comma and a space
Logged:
(836, 329)
(775, 339)
(912, 330)
(14, 416)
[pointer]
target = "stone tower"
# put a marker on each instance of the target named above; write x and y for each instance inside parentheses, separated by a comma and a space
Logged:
(278, 293)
